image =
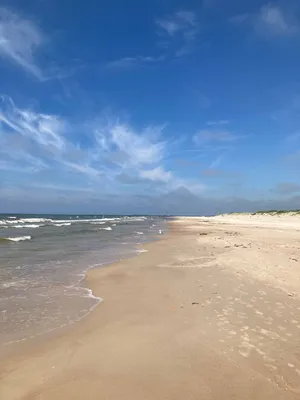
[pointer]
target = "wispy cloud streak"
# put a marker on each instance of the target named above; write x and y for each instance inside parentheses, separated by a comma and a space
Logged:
(20, 42)
(181, 30)
(115, 148)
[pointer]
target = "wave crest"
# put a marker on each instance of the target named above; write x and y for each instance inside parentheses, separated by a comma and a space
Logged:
(16, 239)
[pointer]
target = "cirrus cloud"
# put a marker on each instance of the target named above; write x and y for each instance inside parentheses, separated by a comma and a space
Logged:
(109, 152)
(20, 42)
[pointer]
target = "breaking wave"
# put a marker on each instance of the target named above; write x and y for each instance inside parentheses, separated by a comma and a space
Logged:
(15, 239)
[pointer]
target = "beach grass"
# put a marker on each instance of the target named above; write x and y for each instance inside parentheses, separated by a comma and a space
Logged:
(276, 212)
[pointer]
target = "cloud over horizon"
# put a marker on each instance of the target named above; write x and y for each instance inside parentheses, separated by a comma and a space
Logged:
(108, 152)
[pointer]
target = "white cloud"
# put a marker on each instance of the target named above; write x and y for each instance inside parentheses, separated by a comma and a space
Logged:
(271, 20)
(181, 29)
(84, 169)
(110, 153)
(28, 161)
(20, 41)
(128, 63)
(170, 181)
(157, 174)
(181, 21)
(138, 148)
(44, 145)
(274, 21)
(40, 142)
(45, 129)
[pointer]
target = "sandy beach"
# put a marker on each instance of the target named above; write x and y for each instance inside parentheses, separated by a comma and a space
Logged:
(210, 311)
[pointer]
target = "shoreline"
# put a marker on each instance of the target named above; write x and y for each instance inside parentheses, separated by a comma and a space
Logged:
(84, 292)
(175, 322)
(22, 345)
(41, 279)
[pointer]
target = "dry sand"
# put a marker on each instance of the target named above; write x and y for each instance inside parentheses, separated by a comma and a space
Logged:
(211, 311)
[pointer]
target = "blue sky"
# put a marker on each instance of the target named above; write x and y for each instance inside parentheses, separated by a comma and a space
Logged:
(149, 107)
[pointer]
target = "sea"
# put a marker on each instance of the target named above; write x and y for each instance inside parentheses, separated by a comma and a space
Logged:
(44, 260)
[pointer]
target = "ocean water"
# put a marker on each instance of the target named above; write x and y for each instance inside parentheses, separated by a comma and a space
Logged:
(43, 262)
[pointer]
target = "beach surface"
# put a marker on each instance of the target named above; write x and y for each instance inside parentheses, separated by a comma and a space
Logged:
(211, 311)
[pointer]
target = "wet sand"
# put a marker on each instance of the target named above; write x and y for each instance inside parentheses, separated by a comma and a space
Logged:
(211, 311)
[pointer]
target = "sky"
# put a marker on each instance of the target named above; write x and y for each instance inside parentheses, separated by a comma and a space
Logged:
(173, 107)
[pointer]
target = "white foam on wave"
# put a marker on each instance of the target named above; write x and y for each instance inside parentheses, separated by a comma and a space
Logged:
(98, 223)
(89, 220)
(89, 294)
(139, 233)
(108, 219)
(135, 218)
(103, 220)
(142, 251)
(35, 220)
(18, 238)
(108, 228)
(26, 226)
(25, 221)
(63, 224)
(8, 222)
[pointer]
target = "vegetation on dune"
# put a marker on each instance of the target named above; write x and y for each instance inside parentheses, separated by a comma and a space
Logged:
(276, 212)
(266, 212)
